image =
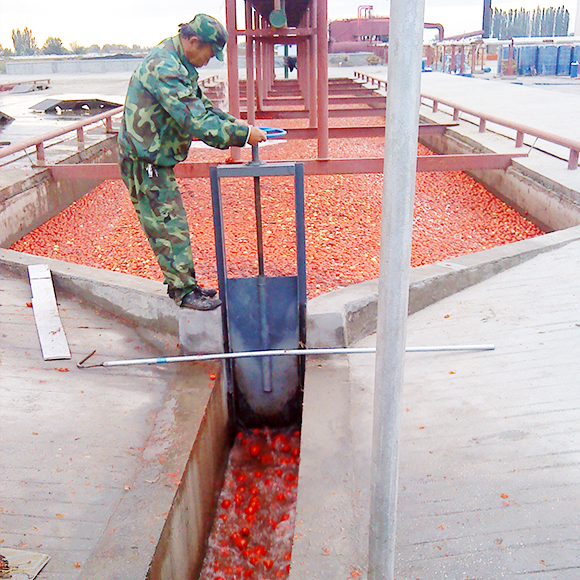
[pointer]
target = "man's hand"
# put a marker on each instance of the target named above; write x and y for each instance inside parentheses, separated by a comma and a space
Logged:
(256, 135)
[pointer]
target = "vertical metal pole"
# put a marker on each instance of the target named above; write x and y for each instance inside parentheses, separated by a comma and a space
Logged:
(311, 79)
(233, 76)
(322, 66)
(259, 65)
(401, 137)
(250, 83)
(258, 210)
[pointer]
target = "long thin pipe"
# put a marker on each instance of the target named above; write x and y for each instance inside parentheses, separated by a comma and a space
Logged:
(264, 353)
(401, 135)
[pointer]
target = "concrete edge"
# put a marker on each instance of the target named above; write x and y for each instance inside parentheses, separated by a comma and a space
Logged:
(338, 318)
(343, 317)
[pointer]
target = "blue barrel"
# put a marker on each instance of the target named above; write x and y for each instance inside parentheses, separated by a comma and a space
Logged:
(564, 59)
(527, 60)
(574, 69)
(547, 60)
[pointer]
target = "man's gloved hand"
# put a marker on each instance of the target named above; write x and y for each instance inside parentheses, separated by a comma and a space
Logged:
(256, 135)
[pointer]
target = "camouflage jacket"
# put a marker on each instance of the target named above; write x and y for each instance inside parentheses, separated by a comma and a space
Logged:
(165, 109)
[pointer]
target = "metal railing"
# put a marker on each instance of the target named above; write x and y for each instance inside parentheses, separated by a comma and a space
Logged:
(79, 127)
(39, 141)
(521, 130)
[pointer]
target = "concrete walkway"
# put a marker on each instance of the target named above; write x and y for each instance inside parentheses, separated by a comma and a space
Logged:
(489, 452)
(91, 459)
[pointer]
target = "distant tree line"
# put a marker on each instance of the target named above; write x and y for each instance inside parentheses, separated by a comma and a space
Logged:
(25, 44)
(541, 22)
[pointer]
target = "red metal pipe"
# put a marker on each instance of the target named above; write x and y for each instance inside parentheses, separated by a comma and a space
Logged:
(233, 76)
(250, 81)
(322, 69)
(186, 170)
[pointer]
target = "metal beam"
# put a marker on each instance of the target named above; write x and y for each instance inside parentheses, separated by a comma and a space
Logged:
(188, 170)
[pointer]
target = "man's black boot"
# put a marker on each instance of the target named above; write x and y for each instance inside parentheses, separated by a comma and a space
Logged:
(209, 292)
(197, 300)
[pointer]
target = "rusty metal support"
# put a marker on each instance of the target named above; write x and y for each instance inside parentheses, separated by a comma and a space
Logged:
(187, 169)
(233, 75)
(250, 79)
(322, 71)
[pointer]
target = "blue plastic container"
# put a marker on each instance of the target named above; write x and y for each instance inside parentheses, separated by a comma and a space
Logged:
(564, 59)
(547, 60)
(574, 70)
(527, 60)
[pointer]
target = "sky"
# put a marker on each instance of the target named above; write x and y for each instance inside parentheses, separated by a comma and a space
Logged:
(145, 23)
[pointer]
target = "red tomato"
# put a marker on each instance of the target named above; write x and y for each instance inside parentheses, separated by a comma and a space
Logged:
(268, 563)
(281, 497)
(245, 531)
(255, 450)
(226, 503)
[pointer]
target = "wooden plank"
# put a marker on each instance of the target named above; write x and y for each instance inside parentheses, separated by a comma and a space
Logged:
(51, 334)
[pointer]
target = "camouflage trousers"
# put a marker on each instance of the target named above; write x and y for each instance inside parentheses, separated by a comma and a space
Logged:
(159, 206)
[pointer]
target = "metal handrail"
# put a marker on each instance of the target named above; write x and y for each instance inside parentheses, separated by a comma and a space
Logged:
(78, 127)
(521, 130)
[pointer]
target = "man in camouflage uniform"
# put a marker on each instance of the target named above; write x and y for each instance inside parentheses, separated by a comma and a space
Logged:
(164, 110)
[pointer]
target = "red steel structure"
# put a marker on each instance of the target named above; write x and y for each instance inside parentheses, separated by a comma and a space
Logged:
(312, 96)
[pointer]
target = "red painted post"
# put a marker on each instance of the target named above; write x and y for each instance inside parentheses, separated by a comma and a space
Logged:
(322, 67)
(80, 135)
(519, 139)
(233, 77)
(573, 159)
(453, 60)
(250, 81)
(482, 125)
(40, 158)
(312, 78)
(259, 66)
(509, 71)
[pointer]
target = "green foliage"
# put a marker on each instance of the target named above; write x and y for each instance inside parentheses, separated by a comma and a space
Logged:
(53, 46)
(520, 23)
(5, 51)
(24, 42)
(75, 48)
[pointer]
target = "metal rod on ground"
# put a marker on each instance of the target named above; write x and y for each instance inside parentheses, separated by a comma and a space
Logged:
(282, 352)
(401, 136)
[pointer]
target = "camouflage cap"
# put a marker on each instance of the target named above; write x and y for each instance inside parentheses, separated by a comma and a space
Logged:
(210, 31)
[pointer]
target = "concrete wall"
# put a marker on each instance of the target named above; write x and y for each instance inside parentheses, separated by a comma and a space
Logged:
(181, 549)
(70, 66)
(28, 203)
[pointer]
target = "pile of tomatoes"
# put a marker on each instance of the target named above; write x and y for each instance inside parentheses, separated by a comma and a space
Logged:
(254, 524)
(454, 215)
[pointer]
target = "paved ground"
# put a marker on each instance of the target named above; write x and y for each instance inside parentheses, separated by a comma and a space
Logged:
(79, 449)
(489, 452)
